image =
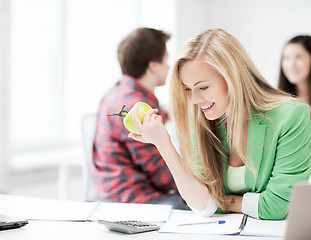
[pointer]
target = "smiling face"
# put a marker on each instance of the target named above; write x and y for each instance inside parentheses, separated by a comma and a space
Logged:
(205, 87)
(296, 63)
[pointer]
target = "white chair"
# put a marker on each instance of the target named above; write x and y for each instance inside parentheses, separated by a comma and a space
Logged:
(88, 127)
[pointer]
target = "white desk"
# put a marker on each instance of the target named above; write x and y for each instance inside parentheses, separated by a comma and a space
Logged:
(92, 231)
(57, 230)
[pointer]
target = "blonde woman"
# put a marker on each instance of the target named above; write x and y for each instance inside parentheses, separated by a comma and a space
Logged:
(243, 143)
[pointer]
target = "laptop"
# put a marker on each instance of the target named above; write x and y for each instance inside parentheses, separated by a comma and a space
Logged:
(299, 215)
(11, 223)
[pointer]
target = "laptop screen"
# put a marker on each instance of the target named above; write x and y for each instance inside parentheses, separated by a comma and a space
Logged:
(298, 225)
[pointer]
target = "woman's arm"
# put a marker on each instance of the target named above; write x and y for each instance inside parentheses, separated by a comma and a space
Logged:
(292, 159)
(153, 131)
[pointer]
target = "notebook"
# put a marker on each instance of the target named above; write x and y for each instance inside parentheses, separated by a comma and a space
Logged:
(11, 223)
(299, 215)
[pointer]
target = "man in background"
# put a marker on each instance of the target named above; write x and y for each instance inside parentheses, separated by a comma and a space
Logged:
(126, 170)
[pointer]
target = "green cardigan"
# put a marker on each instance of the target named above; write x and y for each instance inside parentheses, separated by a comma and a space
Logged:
(279, 146)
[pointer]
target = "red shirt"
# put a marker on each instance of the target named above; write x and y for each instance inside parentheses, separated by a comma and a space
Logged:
(126, 170)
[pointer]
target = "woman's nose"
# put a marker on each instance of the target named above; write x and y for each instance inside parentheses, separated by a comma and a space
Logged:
(195, 98)
(291, 63)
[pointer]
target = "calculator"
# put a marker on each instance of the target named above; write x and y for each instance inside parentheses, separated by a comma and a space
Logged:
(129, 226)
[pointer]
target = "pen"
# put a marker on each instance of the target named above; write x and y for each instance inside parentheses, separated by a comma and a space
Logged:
(188, 224)
(244, 220)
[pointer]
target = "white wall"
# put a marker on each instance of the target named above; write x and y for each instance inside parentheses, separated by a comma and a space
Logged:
(262, 26)
(94, 30)
(4, 76)
(79, 60)
(86, 43)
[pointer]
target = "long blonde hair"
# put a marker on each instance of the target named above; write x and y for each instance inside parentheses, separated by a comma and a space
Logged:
(248, 92)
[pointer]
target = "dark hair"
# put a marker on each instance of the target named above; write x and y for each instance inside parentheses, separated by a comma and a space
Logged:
(140, 47)
(284, 84)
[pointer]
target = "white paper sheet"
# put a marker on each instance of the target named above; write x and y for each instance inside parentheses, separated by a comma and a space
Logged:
(255, 227)
(231, 225)
(44, 209)
(132, 211)
(32, 208)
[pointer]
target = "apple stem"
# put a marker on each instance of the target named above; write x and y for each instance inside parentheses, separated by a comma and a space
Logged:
(122, 113)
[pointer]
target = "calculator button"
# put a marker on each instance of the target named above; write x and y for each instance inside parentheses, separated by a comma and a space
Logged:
(129, 226)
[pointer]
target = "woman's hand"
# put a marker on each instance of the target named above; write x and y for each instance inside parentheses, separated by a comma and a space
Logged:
(152, 129)
(233, 203)
(166, 114)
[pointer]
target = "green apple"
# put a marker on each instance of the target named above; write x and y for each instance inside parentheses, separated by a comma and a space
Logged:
(127, 121)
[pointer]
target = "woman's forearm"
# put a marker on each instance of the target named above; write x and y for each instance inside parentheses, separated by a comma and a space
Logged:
(191, 189)
(153, 131)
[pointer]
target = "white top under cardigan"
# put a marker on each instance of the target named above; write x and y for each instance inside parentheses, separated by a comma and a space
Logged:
(236, 184)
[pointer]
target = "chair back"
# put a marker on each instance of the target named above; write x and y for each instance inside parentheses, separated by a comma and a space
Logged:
(88, 127)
